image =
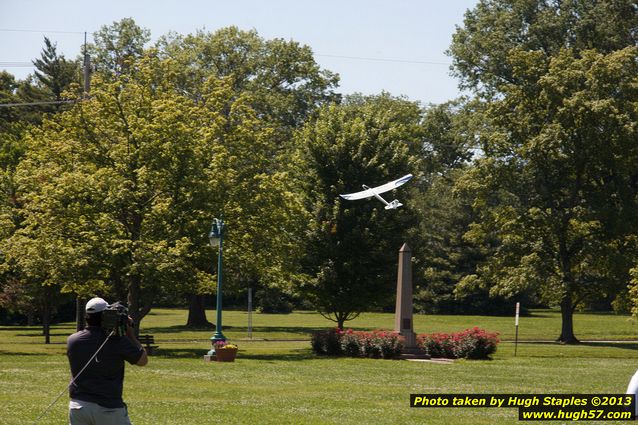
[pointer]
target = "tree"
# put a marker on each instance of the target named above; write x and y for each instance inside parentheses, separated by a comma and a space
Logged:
(119, 192)
(556, 123)
(54, 72)
(117, 47)
(562, 152)
(114, 193)
(352, 246)
(284, 85)
(285, 82)
(12, 123)
(444, 259)
(481, 47)
(54, 75)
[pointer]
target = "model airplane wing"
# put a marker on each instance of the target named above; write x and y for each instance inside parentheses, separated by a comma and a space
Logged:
(376, 190)
(393, 184)
(358, 195)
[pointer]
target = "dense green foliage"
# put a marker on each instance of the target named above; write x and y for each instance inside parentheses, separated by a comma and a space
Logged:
(524, 191)
(364, 140)
(556, 185)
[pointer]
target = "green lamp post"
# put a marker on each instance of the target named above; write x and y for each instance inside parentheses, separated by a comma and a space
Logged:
(216, 238)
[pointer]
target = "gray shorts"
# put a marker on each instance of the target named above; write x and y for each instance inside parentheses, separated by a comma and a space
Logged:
(87, 413)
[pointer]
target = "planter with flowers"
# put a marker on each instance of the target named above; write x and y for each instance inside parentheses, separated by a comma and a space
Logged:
(225, 352)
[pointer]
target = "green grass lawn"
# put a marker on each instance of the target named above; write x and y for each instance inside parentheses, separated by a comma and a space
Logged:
(277, 380)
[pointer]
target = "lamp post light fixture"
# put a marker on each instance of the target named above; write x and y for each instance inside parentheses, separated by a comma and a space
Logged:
(216, 238)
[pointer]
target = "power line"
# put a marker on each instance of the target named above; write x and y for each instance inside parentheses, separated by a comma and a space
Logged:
(384, 59)
(52, 102)
(41, 31)
(29, 64)
(16, 64)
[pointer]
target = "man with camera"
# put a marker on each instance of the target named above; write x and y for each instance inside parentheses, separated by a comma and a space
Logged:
(96, 356)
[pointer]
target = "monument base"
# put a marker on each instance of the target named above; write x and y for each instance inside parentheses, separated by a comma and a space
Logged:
(413, 354)
(409, 336)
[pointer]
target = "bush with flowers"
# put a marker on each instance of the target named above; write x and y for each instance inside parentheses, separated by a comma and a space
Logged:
(437, 345)
(326, 342)
(373, 344)
(472, 343)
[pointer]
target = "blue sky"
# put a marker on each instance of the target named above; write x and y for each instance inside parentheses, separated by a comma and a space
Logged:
(393, 45)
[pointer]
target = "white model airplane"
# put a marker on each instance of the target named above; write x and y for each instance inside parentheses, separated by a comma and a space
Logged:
(369, 192)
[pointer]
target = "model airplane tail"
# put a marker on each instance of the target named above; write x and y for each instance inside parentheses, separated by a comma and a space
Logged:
(393, 205)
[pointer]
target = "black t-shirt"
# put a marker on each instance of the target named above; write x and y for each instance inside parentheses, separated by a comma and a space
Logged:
(103, 380)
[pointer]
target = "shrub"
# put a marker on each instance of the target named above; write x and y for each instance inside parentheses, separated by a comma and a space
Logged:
(391, 344)
(472, 343)
(326, 342)
(437, 344)
(351, 343)
(476, 343)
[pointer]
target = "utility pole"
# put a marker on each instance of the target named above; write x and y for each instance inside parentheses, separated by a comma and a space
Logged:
(79, 301)
(87, 70)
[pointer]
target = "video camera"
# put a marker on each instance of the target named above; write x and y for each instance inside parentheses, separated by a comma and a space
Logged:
(115, 319)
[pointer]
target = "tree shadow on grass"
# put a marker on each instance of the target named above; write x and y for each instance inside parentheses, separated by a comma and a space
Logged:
(258, 329)
(176, 328)
(582, 350)
(181, 353)
(627, 345)
(51, 334)
(178, 353)
(610, 344)
(21, 353)
(297, 355)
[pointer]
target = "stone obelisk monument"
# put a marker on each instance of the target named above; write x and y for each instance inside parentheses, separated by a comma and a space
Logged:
(403, 311)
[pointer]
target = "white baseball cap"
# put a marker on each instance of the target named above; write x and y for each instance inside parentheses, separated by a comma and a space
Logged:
(96, 305)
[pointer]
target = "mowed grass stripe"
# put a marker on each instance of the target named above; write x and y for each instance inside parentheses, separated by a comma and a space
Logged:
(280, 381)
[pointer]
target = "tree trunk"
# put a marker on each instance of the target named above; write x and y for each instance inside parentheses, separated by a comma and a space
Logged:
(567, 314)
(567, 302)
(79, 313)
(136, 309)
(197, 313)
(46, 323)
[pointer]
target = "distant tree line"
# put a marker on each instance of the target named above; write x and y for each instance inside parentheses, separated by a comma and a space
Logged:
(524, 190)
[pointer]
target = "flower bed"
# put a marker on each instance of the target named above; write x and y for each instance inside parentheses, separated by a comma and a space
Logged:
(374, 344)
(472, 343)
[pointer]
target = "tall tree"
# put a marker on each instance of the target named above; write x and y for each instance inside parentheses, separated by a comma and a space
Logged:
(12, 123)
(117, 47)
(284, 85)
(119, 191)
(481, 47)
(352, 246)
(113, 191)
(283, 78)
(444, 258)
(562, 152)
(553, 133)
(54, 72)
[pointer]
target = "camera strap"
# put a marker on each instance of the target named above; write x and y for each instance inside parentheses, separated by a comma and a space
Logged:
(73, 378)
